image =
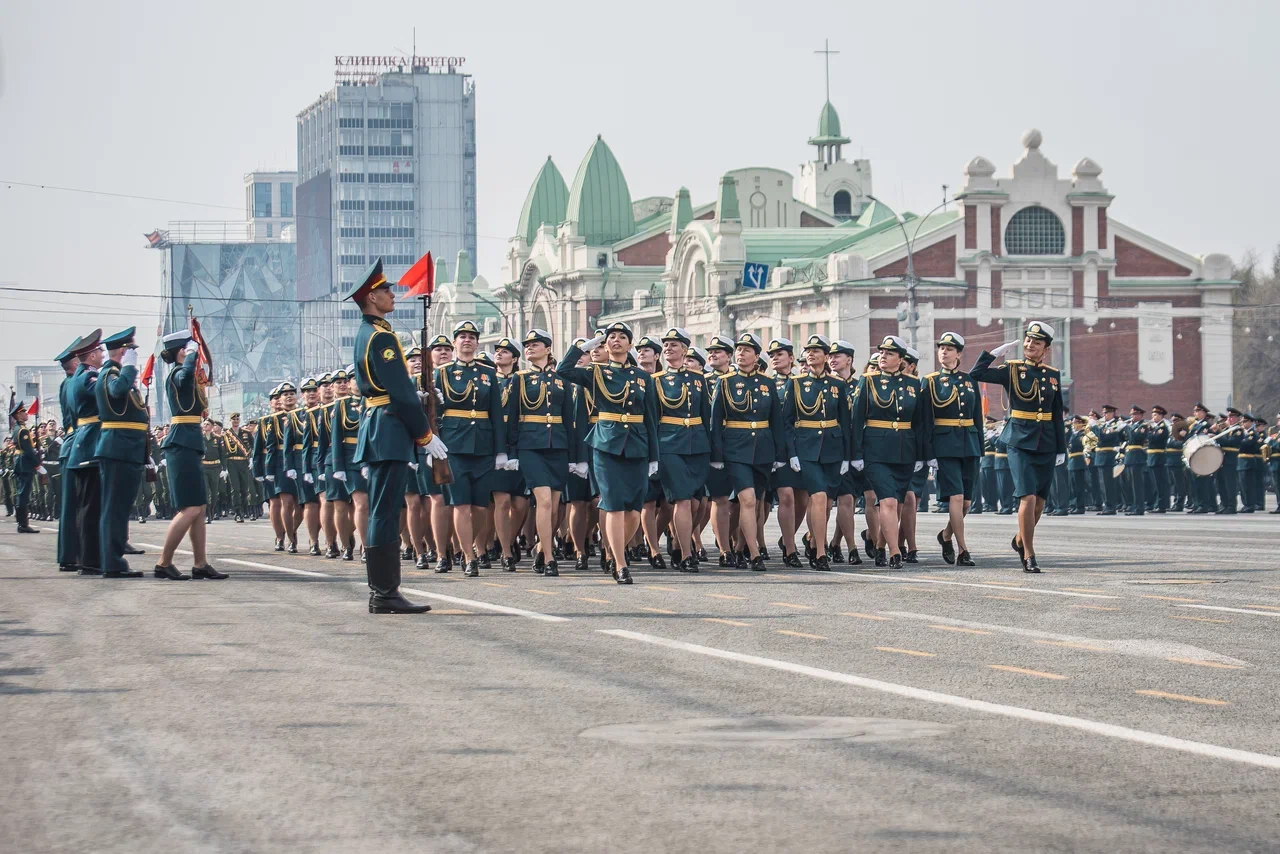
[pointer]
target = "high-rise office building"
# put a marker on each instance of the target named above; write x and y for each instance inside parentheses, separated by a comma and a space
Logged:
(387, 168)
(268, 203)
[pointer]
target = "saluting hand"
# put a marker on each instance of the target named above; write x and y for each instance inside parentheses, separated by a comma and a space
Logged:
(591, 344)
(1004, 348)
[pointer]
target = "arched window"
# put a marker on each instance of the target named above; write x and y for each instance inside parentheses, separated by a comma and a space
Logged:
(699, 279)
(1035, 231)
(842, 204)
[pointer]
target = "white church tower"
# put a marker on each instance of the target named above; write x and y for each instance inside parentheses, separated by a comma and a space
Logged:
(830, 183)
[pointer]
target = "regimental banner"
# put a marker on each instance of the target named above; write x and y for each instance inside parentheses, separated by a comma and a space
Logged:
(1155, 342)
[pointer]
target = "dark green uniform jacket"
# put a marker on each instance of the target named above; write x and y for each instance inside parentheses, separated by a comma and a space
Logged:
(817, 410)
(84, 403)
(186, 401)
(537, 410)
(1135, 443)
(888, 420)
(684, 412)
(1157, 443)
(746, 421)
(626, 406)
(954, 413)
(122, 415)
(1035, 420)
(393, 418)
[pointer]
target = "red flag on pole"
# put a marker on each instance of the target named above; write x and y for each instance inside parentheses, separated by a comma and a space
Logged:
(148, 370)
(34, 408)
(420, 279)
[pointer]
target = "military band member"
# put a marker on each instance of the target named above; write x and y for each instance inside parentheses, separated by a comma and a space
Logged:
(1110, 435)
(121, 449)
(68, 537)
(749, 438)
(25, 464)
(236, 455)
(81, 462)
(538, 419)
(471, 428)
(1135, 460)
(394, 423)
(1250, 468)
(684, 446)
(890, 443)
(184, 452)
(1077, 469)
(624, 440)
(1034, 431)
(1174, 466)
(213, 469)
(1201, 488)
(1227, 478)
(816, 412)
(1157, 472)
(953, 404)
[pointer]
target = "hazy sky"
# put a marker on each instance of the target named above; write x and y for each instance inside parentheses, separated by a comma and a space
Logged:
(1176, 101)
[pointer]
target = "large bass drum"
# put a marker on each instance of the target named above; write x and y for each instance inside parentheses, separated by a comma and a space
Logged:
(1202, 455)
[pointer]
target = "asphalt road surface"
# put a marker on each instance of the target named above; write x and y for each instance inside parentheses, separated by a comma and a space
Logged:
(1123, 701)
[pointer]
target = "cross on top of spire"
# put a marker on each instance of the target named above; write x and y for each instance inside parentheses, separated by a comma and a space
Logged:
(827, 51)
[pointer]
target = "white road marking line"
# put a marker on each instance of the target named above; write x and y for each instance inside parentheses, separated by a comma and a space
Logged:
(483, 606)
(918, 580)
(1232, 610)
(1136, 736)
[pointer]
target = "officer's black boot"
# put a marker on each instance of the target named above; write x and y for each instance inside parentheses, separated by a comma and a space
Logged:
(23, 527)
(382, 565)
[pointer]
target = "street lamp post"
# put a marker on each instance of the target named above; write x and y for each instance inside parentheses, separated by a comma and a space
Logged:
(911, 280)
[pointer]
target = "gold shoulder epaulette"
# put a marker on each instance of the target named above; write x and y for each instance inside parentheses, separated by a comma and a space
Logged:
(527, 371)
(932, 375)
(871, 374)
(659, 373)
(1013, 361)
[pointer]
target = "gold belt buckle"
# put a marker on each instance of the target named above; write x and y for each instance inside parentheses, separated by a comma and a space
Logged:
(473, 413)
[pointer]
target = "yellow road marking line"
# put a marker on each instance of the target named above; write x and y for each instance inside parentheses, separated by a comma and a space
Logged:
(493, 584)
(1168, 598)
(792, 605)
(800, 635)
(921, 589)
(1004, 583)
(1204, 701)
(657, 610)
(723, 596)
(656, 587)
(1084, 590)
(1008, 598)
(1268, 607)
(450, 611)
(723, 621)
(1071, 645)
(907, 651)
(1011, 669)
(1095, 607)
(1200, 619)
(865, 616)
(542, 592)
(597, 601)
(605, 581)
(960, 629)
(1206, 663)
(1269, 587)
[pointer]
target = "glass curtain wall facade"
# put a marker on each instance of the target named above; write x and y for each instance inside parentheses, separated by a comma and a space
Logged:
(400, 155)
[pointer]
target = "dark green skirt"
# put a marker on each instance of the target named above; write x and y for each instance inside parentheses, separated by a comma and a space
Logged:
(547, 467)
(683, 475)
(472, 480)
(185, 467)
(888, 480)
(623, 481)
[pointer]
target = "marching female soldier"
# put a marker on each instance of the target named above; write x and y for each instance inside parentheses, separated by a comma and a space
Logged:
(749, 439)
(1033, 432)
(890, 443)
(953, 405)
(815, 408)
(851, 485)
(684, 415)
(510, 497)
(624, 440)
(539, 413)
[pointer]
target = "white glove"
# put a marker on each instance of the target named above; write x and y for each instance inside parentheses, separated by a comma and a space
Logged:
(1004, 348)
(844, 467)
(41, 470)
(340, 475)
(593, 343)
(718, 466)
(513, 465)
(1059, 459)
(271, 478)
(500, 462)
(164, 463)
(439, 397)
(776, 466)
(364, 472)
(192, 347)
(223, 474)
(130, 357)
(292, 474)
(321, 475)
(933, 464)
(857, 465)
(151, 466)
(794, 462)
(579, 469)
(306, 476)
(653, 468)
(259, 479)
(919, 465)
(437, 449)
(413, 466)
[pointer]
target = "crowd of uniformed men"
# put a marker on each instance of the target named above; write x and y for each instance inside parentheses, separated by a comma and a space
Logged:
(608, 451)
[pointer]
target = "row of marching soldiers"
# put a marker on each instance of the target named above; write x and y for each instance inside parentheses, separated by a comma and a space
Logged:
(644, 440)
